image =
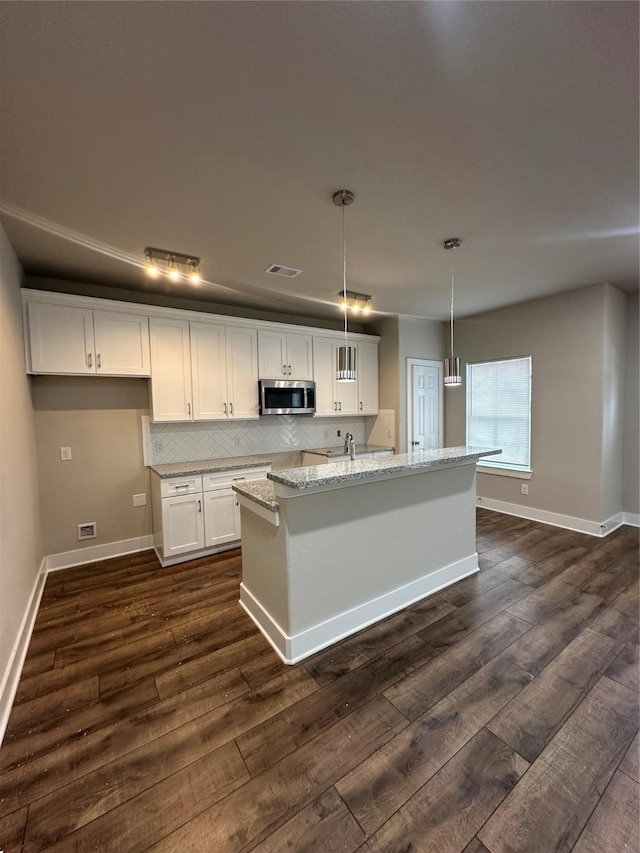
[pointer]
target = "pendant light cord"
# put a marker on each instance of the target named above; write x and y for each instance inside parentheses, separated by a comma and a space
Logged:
(344, 273)
(452, 280)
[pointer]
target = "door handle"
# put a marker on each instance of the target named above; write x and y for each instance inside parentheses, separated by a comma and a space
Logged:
(284, 369)
(415, 443)
(199, 506)
(225, 408)
(360, 405)
(340, 406)
(189, 409)
(230, 408)
(98, 361)
(289, 370)
(89, 359)
(335, 407)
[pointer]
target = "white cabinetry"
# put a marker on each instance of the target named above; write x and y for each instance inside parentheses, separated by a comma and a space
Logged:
(284, 355)
(170, 370)
(332, 397)
(197, 515)
(68, 339)
(203, 371)
(367, 373)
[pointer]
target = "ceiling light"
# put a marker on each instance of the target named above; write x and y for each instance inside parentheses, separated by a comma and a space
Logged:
(159, 261)
(355, 301)
(452, 376)
(345, 355)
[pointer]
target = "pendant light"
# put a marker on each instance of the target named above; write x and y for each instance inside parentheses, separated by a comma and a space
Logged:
(345, 354)
(452, 376)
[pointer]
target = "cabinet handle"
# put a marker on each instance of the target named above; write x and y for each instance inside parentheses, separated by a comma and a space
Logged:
(225, 408)
(340, 406)
(189, 409)
(289, 370)
(335, 407)
(89, 359)
(230, 408)
(199, 506)
(360, 405)
(284, 369)
(182, 486)
(98, 361)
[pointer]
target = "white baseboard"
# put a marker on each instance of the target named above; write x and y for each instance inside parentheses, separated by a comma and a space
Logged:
(631, 518)
(569, 522)
(292, 649)
(79, 557)
(11, 677)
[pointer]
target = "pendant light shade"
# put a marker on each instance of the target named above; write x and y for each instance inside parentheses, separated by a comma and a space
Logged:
(452, 375)
(345, 354)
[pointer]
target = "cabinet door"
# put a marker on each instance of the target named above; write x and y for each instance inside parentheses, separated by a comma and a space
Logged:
(170, 370)
(221, 517)
(367, 373)
(61, 339)
(324, 372)
(272, 355)
(182, 524)
(242, 372)
(209, 371)
(122, 343)
(299, 356)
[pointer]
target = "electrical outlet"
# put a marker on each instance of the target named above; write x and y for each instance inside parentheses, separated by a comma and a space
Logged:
(140, 500)
(159, 446)
(524, 488)
(65, 454)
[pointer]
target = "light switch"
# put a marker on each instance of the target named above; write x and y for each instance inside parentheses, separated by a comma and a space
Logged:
(65, 453)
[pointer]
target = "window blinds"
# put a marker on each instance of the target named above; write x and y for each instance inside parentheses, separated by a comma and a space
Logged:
(499, 410)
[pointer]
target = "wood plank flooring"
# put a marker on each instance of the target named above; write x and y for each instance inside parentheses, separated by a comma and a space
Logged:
(500, 714)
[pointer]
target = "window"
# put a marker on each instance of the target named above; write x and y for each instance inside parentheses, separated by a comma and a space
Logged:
(499, 411)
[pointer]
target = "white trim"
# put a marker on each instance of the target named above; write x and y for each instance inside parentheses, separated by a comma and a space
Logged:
(193, 555)
(292, 649)
(424, 362)
(505, 472)
(79, 557)
(631, 518)
(147, 455)
(569, 522)
(11, 677)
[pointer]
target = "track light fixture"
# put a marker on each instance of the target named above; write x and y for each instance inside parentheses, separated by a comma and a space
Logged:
(171, 264)
(355, 302)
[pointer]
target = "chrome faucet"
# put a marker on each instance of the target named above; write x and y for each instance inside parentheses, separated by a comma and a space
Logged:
(350, 445)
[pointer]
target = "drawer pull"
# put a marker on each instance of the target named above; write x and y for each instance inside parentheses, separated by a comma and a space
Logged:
(182, 486)
(239, 478)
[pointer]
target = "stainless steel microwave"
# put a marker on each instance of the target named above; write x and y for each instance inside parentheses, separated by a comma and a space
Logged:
(287, 397)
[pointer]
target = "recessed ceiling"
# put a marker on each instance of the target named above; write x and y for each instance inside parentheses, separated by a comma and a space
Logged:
(223, 129)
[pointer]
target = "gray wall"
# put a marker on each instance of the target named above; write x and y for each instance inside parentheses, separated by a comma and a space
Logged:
(613, 382)
(21, 550)
(631, 429)
(99, 418)
(565, 335)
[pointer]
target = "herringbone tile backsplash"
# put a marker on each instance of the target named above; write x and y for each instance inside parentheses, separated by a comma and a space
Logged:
(186, 442)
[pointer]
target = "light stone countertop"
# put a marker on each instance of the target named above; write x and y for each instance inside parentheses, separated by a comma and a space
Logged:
(209, 466)
(342, 472)
(259, 491)
(340, 451)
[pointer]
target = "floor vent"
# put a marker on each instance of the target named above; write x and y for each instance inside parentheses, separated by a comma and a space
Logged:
(287, 272)
(88, 530)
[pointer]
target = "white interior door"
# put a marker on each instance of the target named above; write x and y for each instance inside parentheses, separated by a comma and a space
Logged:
(424, 406)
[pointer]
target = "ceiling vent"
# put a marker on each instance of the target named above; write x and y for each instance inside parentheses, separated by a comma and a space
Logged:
(287, 272)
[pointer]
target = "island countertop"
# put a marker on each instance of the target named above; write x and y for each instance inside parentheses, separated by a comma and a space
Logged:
(260, 492)
(336, 473)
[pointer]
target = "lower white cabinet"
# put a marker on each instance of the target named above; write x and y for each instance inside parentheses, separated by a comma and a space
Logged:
(197, 515)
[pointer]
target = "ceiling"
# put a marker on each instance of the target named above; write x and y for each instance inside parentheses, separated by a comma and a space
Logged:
(223, 129)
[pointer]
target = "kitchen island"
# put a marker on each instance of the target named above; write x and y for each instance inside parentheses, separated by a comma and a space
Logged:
(329, 549)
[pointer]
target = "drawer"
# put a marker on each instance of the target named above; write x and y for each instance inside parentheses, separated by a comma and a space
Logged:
(222, 479)
(180, 486)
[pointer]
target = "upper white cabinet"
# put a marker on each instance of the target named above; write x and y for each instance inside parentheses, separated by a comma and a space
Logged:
(170, 370)
(66, 339)
(203, 371)
(367, 373)
(285, 355)
(332, 397)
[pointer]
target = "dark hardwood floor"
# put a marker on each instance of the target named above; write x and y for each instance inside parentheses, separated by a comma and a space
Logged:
(501, 714)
